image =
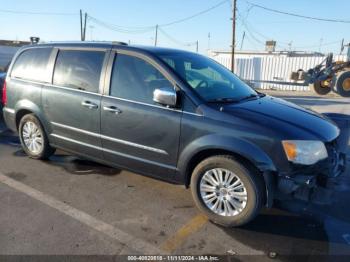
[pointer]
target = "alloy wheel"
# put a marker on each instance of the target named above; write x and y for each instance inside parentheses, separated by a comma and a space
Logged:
(223, 192)
(32, 137)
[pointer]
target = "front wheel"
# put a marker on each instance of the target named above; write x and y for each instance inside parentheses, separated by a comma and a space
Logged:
(33, 138)
(322, 87)
(343, 84)
(227, 191)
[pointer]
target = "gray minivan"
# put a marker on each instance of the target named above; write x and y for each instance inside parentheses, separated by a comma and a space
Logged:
(170, 114)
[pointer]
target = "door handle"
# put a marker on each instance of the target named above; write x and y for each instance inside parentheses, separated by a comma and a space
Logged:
(89, 105)
(112, 109)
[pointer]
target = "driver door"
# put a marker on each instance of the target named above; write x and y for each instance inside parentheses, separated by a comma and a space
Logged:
(136, 132)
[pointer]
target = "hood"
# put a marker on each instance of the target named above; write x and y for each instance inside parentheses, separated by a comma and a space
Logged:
(279, 114)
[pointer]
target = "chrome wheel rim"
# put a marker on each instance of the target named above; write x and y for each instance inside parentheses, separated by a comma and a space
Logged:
(223, 192)
(32, 137)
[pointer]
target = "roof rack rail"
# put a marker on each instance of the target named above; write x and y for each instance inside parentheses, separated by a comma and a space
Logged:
(119, 43)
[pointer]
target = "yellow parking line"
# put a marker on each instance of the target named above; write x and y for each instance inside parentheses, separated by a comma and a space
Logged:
(172, 243)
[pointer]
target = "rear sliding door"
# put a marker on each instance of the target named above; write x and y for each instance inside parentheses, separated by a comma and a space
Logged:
(72, 103)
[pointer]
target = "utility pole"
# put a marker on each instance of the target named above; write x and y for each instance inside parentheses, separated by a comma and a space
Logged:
(342, 46)
(156, 37)
(81, 25)
(197, 46)
(209, 41)
(233, 36)
(242, 40)
(84, 29)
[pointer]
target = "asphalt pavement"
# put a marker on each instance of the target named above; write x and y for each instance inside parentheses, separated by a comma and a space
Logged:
(71, 206)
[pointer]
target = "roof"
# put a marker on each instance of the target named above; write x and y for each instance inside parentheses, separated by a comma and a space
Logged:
(79, 44)
(111, 44)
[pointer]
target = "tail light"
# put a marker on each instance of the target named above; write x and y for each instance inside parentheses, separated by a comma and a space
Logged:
(4, 95)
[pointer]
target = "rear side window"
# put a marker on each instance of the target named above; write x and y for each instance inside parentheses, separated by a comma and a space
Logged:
(135, 79)
(32, 65)
(79, 69)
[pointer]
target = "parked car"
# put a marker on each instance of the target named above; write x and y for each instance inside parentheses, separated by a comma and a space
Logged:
(174, 115)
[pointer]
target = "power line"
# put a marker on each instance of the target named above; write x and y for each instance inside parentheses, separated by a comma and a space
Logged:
(137, 30)
(253, 37)
(243, 22)
(120, 29)
(143, 29)
(297, 15)
(250, 29)
(36, 13)
(194, 15)
(172, 39)
(322, 44)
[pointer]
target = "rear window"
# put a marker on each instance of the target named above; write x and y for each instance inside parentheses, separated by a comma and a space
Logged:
(32, 65)
(79, 69)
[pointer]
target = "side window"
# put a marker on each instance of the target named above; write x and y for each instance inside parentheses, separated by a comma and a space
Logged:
(32, 65)
(79, 69)
(135, 79)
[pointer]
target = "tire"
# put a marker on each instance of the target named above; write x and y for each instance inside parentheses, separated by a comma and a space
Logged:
(31, 133)
(253, 188)
(320, 89)
(343, 84)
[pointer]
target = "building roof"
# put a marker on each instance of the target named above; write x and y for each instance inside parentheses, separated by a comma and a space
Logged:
(263, 52)
(14, 43)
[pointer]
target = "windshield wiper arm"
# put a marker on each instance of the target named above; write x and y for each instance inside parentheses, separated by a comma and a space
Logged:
(249, 97)
(223, 100)
(233, 100)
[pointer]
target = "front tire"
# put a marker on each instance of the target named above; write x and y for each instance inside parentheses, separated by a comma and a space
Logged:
(33, 138)
(321, 87)
(226, 191)
(343, 84)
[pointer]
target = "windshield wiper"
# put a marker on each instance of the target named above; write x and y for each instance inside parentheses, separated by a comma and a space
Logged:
(235, 100)
(249, 97)
(223, 100)
(261, 94)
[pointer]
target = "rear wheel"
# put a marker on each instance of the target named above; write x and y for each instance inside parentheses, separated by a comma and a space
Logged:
(343, 84)
(226, 191)
(33, 138)
(322, 87)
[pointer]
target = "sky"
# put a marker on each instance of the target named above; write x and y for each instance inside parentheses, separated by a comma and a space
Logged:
(291, 33)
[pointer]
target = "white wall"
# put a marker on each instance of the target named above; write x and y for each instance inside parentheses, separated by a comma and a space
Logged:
(271, 68)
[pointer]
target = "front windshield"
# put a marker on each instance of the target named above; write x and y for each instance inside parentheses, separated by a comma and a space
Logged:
(212, 81)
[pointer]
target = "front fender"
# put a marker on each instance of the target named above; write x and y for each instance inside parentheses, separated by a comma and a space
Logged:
(237, 146)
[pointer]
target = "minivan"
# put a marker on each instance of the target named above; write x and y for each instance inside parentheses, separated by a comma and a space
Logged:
(173, 115)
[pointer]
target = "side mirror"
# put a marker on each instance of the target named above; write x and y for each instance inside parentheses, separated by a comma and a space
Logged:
(165, 96)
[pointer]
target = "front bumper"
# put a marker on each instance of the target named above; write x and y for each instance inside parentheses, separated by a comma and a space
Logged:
(313, 183)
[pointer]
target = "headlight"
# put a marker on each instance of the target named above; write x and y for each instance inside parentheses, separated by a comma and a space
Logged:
(304, 152)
